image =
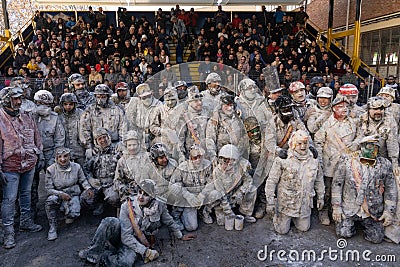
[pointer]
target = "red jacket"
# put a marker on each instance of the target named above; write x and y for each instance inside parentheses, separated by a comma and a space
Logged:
(20, 142)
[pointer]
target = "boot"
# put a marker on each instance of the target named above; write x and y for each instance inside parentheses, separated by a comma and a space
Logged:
(87, 255)
(260, 211)
(207, 219)
(69, 220)
(324, 217)
(30, 226)
(249, 219)
(52, 234)
(9, 241)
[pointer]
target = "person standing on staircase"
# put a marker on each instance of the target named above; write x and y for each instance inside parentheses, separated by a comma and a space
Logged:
(179, 33)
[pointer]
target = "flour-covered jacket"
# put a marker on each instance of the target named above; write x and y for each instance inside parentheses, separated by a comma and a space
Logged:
(377, 188)
(148, 224)
(58, 180)
(71, 126)
(296, 180)
(333, 139)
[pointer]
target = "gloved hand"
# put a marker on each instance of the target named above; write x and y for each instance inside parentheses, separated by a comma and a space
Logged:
(314, 152)
(89, 153)
(320, 204)
(238, 196)
(174, 189)
(65, 196)
(150, 255)
(282, 153)
(194, 201)
(387, 218)
(337, 214)
(40, 162)
(3, 178)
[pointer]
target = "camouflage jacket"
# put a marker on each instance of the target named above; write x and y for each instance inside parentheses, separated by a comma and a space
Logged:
(377, 186)
(296, 180)
(58, 180)
(128, 172)
(101, 167)
(277, 130)
(110, 118)
(333, 139)
(71, 126)
(222, 130)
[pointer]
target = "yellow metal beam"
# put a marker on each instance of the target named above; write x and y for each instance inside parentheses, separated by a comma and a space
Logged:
(342, 34)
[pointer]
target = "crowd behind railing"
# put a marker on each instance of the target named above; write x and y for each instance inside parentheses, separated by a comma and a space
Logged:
(136, 48)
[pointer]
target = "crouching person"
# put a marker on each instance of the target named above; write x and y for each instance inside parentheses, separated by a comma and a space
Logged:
(64, 180)
(364, 190)
(295, 179)
(231, 187)
(132, 235)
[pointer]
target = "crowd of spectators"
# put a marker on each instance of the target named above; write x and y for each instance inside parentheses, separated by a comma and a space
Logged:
(136, 49)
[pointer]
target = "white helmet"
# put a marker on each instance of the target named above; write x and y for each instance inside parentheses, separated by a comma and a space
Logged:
(44, 97)
(246, 84)
(229, 151)
(213, 78)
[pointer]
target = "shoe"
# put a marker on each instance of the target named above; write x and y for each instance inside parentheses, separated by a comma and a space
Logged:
(220, 216)
(29, 226)
(250, 219)
(52, 234)
(84, 254)
(9, 241)
(69, 220)
(99, 210)
(260, 212)
(207, 219)
(324, 217)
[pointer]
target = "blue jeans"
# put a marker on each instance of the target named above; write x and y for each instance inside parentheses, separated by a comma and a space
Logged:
(16, 181)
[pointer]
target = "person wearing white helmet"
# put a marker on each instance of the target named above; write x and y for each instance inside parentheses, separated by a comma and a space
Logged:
(77, 85)
(297, 91)
(188, 182)
(378, 122)
(139, 113)
(192, 122)
(52, 133)
(231, 186)
(249, 99)
(164, 122)
(23, 83)
(130, 167)
(100, 171)
(226, 127)
(21, 147)
(295, 180)
(101, 114)
(350, 91)
(212, 92)
(70, 116)
(336, 136)
(122, 95)
(317, 114)
(393, 108)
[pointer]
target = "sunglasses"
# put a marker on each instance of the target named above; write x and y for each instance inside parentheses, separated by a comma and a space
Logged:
(255, 130)
(197, 96)
(225, 160)
(195, 157)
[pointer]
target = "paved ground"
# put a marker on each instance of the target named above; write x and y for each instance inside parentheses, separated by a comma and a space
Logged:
(214, 246)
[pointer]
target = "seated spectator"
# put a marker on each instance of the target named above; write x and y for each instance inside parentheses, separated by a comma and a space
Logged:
(95, 76)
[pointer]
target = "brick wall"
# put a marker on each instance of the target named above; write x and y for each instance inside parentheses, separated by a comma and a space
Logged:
(318, 10)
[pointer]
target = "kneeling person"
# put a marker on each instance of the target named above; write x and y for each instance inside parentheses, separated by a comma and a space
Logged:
(296, 179)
